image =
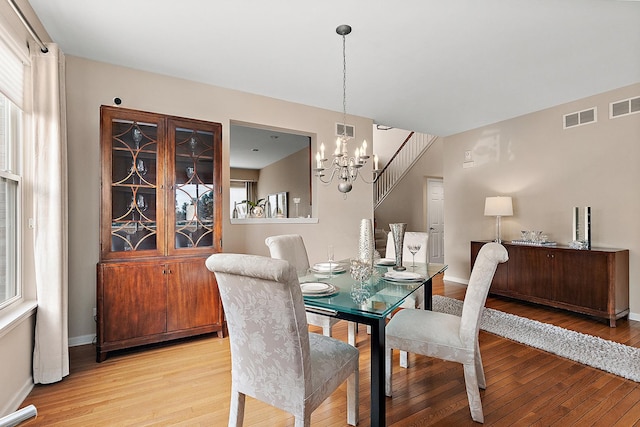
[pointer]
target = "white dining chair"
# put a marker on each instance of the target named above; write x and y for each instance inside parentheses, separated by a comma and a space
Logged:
(446, 336)
(290, 247)
(274, 358)
(416, 300)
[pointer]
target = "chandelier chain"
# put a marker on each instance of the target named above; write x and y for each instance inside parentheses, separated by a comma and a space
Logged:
(344, 87)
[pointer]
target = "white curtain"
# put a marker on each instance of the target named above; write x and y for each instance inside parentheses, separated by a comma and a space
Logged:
(51, 348)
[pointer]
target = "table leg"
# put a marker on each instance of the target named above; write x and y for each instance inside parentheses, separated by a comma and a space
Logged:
(428, 294)
(378, 404)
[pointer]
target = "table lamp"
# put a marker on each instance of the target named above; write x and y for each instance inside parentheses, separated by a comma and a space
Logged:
(498, 206)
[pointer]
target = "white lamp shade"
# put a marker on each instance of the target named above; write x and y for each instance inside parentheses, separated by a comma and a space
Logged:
(498, 206)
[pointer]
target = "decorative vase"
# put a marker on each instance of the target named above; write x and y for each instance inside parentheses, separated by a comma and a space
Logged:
(267, 209)
(366, 243)
(397, 231)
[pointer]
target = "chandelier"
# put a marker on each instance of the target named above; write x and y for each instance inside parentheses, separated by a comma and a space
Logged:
(344, 167)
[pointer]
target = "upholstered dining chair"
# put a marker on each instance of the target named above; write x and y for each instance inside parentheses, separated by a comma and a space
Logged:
(450, 337)
(274, 358)
(422, 256)
(290, 247)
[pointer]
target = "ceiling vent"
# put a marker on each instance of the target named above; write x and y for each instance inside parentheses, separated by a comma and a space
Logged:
(580, 118)
(350, 130)
(624, 107)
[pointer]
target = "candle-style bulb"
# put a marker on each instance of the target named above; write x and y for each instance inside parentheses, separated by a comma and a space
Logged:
(322, 151)
(363, 152)
(375, 162)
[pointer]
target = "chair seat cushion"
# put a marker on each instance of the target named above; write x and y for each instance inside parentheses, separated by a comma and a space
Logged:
(427, 332)
(332, 361)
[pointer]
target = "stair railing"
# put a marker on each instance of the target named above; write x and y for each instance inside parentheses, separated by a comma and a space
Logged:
(409, 152)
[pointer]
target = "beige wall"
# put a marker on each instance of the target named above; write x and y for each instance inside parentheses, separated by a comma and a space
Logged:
(547, 171)
(90, 84)
(16, 348)
(245, 174)
(292, 175)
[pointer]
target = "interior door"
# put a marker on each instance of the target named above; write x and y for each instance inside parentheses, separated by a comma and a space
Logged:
(435, 219)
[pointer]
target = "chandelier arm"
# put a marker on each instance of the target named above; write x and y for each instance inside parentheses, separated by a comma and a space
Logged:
(328, 181)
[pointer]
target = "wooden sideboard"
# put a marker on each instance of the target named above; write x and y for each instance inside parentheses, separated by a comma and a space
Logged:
(593, 282)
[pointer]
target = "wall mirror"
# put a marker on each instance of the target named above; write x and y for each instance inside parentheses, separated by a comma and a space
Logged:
(270, 169)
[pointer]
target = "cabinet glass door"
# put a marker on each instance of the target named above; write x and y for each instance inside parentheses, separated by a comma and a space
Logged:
(194, 189)
(134, 185)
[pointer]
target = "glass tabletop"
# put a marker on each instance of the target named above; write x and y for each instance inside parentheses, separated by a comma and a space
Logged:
(384, 295)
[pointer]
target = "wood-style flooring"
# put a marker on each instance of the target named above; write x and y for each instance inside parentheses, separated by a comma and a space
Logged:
(187, 383)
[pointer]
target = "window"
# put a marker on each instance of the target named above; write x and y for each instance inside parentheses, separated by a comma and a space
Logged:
(238, 193)
(10, 137)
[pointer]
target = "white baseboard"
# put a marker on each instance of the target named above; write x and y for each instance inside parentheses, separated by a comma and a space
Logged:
(634, 316)
(455, 279)
(81, 340)
(18, 398)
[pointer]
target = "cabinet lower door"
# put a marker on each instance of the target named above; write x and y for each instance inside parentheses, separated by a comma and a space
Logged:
(193, 299)
(134, 302)
(582, 279)
(530, 270)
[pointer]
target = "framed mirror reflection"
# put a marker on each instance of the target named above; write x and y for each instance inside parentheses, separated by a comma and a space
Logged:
(269, 167)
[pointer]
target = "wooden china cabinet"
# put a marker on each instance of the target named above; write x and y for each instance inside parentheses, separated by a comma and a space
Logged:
(161, 217)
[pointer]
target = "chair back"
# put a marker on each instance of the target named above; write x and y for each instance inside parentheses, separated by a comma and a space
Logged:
(289, 247)
(489, 256)
(265, 315)
(422, 256)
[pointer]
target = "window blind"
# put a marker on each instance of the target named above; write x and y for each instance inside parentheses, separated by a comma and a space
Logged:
(11, 73)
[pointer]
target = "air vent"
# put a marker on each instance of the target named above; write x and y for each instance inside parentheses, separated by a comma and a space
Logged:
(580, 118)
(350, 130)
(624, 107)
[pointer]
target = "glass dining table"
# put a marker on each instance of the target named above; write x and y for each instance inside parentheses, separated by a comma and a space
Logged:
(384, 296)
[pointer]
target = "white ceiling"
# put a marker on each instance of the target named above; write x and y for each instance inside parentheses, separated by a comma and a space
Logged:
(255, 148)
(435, 66)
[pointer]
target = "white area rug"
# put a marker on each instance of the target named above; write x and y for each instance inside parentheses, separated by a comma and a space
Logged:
(593, 351)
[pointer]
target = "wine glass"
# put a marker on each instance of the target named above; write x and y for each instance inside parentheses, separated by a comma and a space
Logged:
(142, 169)
(414, 248)
(137, 137)
(141, 203)
(190, 172)
(330, 258)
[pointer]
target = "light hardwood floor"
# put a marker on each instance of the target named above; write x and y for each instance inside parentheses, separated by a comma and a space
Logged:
(187, 384)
